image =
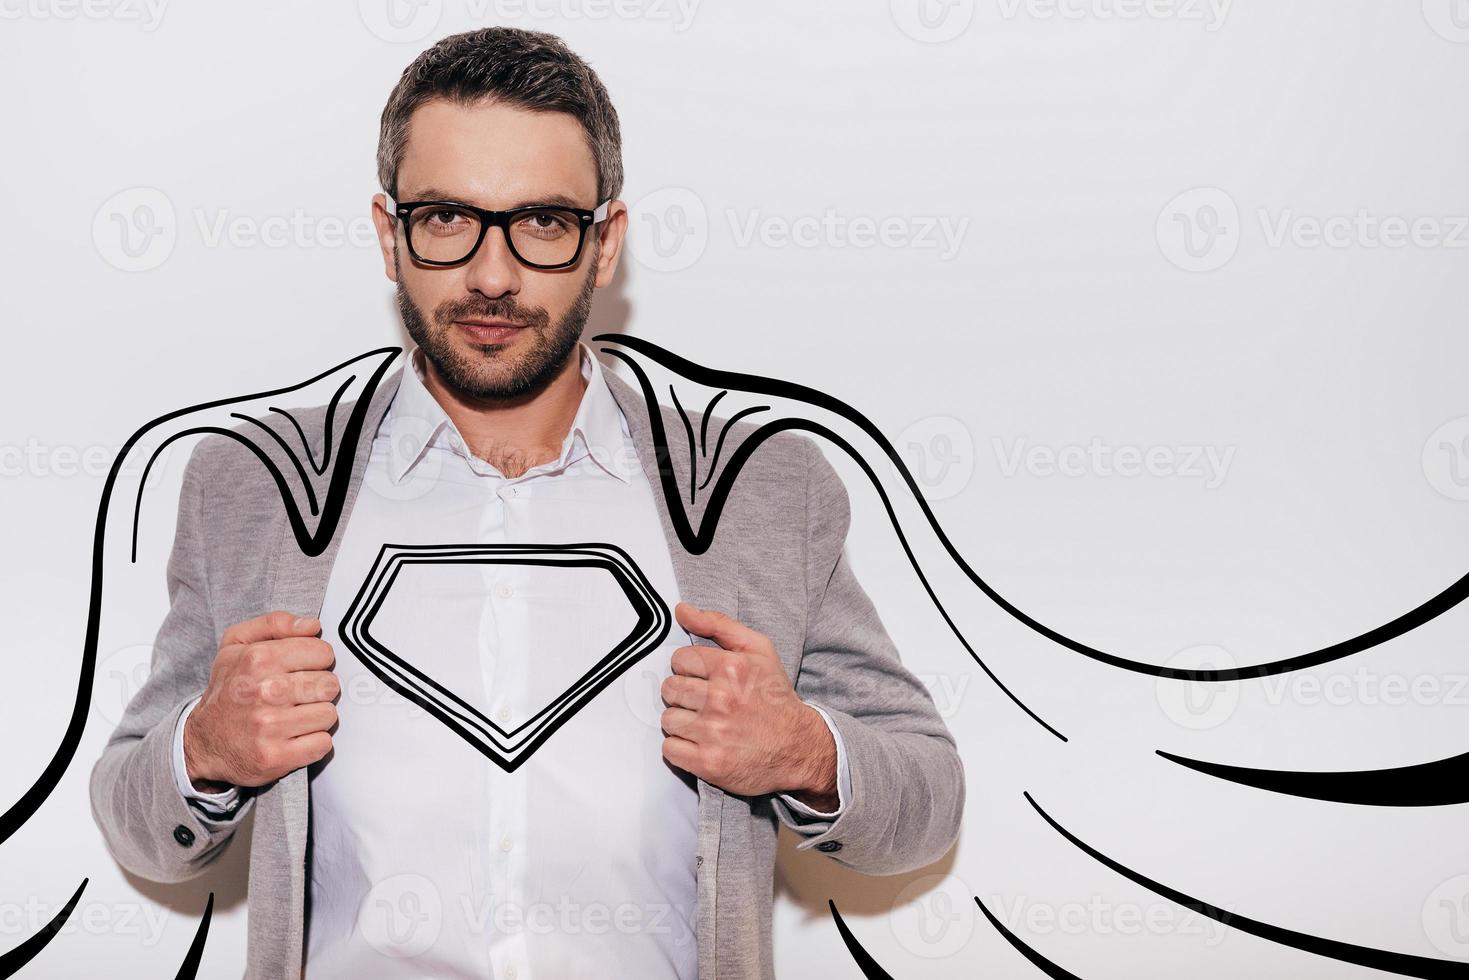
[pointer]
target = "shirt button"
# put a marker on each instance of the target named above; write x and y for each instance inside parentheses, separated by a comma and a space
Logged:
(504, 715)
(510, 973)
(504, 591)
(506, 844)
(183, 835)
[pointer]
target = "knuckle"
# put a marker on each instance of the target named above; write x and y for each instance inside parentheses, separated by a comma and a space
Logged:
(255, 656)
(265, 758)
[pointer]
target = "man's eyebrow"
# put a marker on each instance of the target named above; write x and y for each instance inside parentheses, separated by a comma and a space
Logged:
(435, 194)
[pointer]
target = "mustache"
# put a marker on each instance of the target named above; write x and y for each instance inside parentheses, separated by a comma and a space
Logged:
(530, 316)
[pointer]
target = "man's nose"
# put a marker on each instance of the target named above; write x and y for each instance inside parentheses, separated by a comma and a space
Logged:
(493, 270)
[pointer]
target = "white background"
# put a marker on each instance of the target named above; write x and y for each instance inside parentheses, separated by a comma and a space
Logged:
(1069, 149)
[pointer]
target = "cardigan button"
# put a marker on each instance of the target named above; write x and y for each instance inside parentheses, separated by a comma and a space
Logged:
(829, 846)
(183, 835)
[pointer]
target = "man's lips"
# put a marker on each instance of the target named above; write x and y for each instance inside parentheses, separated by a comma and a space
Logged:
(488, 331)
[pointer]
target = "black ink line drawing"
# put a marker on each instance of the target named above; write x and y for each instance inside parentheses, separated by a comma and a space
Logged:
(1427, 784)
(189, 968)
(507, 749)
(881, 448)
(697, 542)
(1441, 783)
(1044, 965)
(18, 957)
(311, 542)
(1411, 782)
(1404, 964)
(860, 956)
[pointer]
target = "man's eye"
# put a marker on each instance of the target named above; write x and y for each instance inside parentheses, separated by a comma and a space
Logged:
(546, 224)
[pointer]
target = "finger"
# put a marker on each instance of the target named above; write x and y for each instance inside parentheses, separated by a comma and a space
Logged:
(307, 686)
(303, 719)
(725, 630)
(685, 692)
(303, 653)
(679, 721)
(271, 626)
(681, 752)
(690, 662)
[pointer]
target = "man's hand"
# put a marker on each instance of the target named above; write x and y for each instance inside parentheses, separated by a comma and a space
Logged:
(735, 721)
(268, 705)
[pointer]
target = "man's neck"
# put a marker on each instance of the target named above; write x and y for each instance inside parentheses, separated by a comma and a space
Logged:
(514, 434)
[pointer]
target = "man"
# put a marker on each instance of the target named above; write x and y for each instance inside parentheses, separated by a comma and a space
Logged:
(638, 838)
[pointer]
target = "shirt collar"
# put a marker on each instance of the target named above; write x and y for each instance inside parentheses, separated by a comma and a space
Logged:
(415, 421)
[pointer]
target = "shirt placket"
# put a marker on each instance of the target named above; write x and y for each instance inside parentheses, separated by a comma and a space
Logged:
(506, 845)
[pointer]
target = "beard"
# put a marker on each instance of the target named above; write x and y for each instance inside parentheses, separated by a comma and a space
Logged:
(490, 371)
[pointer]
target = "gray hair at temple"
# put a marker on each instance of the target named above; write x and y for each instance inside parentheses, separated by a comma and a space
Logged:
(532, 70)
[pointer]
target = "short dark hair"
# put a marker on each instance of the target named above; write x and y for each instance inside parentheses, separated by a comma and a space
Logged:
(532, 70)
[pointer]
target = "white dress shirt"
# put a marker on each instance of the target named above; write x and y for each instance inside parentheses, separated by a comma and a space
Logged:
(428, 859)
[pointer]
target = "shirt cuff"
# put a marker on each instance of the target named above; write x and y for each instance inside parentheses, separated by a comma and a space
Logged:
(844, 778)
(216, 805)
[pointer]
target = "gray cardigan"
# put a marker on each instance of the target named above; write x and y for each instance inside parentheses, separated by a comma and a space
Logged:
(777, 564)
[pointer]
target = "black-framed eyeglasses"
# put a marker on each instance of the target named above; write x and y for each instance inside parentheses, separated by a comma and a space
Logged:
(541, 236)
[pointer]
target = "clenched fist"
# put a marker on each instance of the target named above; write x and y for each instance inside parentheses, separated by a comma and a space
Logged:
(268, 705)
(734, 719)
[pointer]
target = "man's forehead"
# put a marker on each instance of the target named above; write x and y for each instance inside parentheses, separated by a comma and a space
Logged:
(496, 156)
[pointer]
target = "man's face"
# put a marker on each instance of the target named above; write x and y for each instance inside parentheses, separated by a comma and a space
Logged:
(497, 157)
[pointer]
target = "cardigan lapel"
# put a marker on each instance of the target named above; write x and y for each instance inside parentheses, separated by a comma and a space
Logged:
(299, 584)
(706, 581)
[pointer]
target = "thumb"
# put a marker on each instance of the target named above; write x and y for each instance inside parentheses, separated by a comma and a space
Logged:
(723, 629)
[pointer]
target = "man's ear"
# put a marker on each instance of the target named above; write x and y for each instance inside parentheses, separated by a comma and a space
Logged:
(610, 234)
(386, 224)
